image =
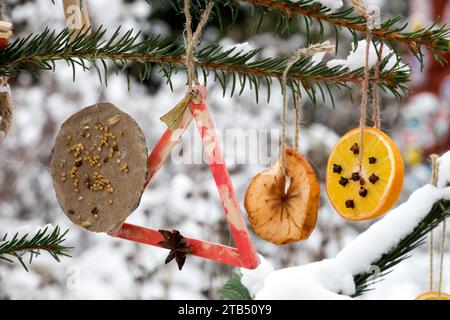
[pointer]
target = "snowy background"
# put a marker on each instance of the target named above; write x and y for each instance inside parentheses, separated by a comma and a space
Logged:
(182, 196)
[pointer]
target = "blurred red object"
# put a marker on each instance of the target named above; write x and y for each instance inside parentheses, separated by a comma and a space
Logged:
(3, 43)
(435, 77)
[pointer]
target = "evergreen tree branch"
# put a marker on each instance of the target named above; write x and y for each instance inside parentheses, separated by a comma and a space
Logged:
(234, 289)
(234, 70)
(43, 240)
(439, 212)
(435, 39)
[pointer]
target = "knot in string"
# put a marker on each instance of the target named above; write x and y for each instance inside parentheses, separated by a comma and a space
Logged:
(191, 39)
(174, 117)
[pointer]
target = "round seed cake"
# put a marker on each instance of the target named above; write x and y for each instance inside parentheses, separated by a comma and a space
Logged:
(99, 167)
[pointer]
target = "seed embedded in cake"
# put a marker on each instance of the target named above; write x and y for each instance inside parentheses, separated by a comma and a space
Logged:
(80, 198)
(99, 126)
(113, 120)
(124, 168)
(86, 224)
(78, 162)
(95, 210)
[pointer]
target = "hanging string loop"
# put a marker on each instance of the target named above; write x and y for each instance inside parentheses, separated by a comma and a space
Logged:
(192, 38)
(365, 85)
(174, 117)
(297, 56)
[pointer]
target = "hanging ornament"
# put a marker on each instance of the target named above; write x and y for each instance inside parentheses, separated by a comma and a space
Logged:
(282, 202)
(365, 170)
(282, 207)
(99, 167)
(6, 108)
(363, 183)
(5, 28)
(5, 33)
(243, 255)
(193, 107)
(439, 294)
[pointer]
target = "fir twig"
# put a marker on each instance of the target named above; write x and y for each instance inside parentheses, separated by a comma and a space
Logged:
(434, 38)
(233, 289)
(233, 69)
(18, 247)
(401, 252)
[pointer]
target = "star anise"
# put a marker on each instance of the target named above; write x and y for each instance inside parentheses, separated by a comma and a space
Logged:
(178, 246)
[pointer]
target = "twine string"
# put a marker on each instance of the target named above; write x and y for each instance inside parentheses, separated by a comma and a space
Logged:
(376, 91)
(297, 56)
(298, 119)
(361, 8)
(442, 253)
(4, 81)
(434, 181)
(2, 10)
(174, 117)
(364, 98)
(191, 39)
(435, 174)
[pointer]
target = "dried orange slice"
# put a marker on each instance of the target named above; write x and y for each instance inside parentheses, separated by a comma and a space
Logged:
(367, 192)
(432, 295)
(282, 211)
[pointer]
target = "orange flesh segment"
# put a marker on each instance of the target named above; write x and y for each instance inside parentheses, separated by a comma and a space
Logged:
(388, 168)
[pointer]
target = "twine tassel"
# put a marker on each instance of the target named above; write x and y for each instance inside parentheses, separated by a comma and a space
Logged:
(6, 109)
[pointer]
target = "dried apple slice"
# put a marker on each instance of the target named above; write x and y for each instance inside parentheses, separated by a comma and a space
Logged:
(284, 209)
(367, 191)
